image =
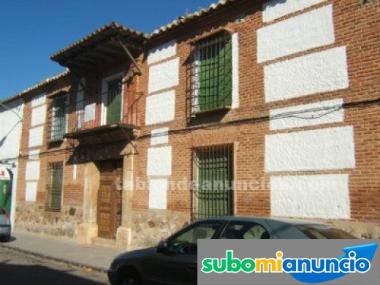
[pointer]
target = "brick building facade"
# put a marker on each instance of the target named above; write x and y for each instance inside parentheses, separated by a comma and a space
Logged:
(244, 108)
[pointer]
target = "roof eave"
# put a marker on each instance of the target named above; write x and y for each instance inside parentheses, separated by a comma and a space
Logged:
(101, 35)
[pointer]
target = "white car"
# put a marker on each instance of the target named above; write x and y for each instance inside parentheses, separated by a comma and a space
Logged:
(5, 225)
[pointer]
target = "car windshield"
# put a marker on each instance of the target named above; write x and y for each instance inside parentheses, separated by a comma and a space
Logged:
(315, 232)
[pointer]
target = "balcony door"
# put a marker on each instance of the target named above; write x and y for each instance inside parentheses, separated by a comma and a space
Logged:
(114, 101)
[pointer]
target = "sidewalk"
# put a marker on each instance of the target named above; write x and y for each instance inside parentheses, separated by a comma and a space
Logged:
(94, 257)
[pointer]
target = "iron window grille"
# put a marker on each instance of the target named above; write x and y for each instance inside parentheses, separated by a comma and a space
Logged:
(213, 181)
(211, 74)
(54, 187)
(58, 118)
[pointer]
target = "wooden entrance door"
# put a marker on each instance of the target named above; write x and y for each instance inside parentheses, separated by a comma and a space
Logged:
(109, 198)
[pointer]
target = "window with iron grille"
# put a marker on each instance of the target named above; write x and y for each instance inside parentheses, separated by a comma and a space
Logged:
(58, 118)
(213, 175)
(54, 187)
(211, 74)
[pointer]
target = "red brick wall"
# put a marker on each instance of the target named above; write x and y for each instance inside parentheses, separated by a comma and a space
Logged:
(72, 190)
(356, 27)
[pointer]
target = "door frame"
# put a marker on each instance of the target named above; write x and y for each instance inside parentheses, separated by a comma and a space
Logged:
(104, 93)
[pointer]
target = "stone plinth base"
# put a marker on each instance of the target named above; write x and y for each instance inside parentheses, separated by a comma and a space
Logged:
(87, 232)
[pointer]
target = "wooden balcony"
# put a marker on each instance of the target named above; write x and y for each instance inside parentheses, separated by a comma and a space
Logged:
(86, 127)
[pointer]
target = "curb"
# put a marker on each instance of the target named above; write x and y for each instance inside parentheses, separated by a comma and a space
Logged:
(55, 259)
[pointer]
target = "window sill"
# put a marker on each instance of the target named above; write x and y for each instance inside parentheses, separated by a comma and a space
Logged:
(216, 110)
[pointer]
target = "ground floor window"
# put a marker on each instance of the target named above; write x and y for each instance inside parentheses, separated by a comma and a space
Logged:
(54, 186)
(213, 175)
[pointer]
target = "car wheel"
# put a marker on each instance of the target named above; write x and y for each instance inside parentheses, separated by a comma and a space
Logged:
(130, 279)
(5, 238)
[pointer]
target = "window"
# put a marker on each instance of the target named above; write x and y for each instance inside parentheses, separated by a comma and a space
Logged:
(58, 121)
(186, 242)
(211, 72)
(245, 230)
(54, 186)
(80, 104)
(318, 232)
(114, 101)
(213, 173)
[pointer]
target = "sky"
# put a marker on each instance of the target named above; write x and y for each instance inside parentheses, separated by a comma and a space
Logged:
(32, 30)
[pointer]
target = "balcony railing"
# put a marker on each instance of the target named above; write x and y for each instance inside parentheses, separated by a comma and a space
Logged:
(87, 114)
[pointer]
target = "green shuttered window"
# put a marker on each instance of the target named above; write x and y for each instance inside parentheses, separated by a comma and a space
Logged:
(58, 124)
(114, 102)
(54, 186)
(213, 173)
(212, 74)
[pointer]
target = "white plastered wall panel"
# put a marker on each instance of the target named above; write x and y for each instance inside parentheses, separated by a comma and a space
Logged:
(32, 170)
(314, 196)
(322, 149)
(159, 136)
(38, 115)
(89, 112)
(36, 136)
(160, 108)
(10, 130)
(162, 52)
(38, 100)
(160, 161)
(163, 75)
(31, 191)
(235, 70)
(275, 9)
(323, 112)
(306, 31)
(158, 193)
(306, 75)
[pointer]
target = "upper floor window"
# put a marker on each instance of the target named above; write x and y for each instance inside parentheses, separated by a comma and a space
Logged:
(58, 118)
(211, 74)
(114, 101)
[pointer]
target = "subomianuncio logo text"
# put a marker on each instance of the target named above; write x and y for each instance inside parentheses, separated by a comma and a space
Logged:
(309, 270)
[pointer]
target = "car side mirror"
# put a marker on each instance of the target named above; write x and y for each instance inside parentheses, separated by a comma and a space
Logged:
(162, 247)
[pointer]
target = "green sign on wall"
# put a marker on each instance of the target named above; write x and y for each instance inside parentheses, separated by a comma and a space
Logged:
(5, 189)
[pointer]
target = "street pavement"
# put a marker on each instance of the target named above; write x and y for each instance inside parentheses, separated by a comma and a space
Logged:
(17, 268)
(67, 251)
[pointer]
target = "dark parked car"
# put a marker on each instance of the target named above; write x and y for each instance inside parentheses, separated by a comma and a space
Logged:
(174, 261)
